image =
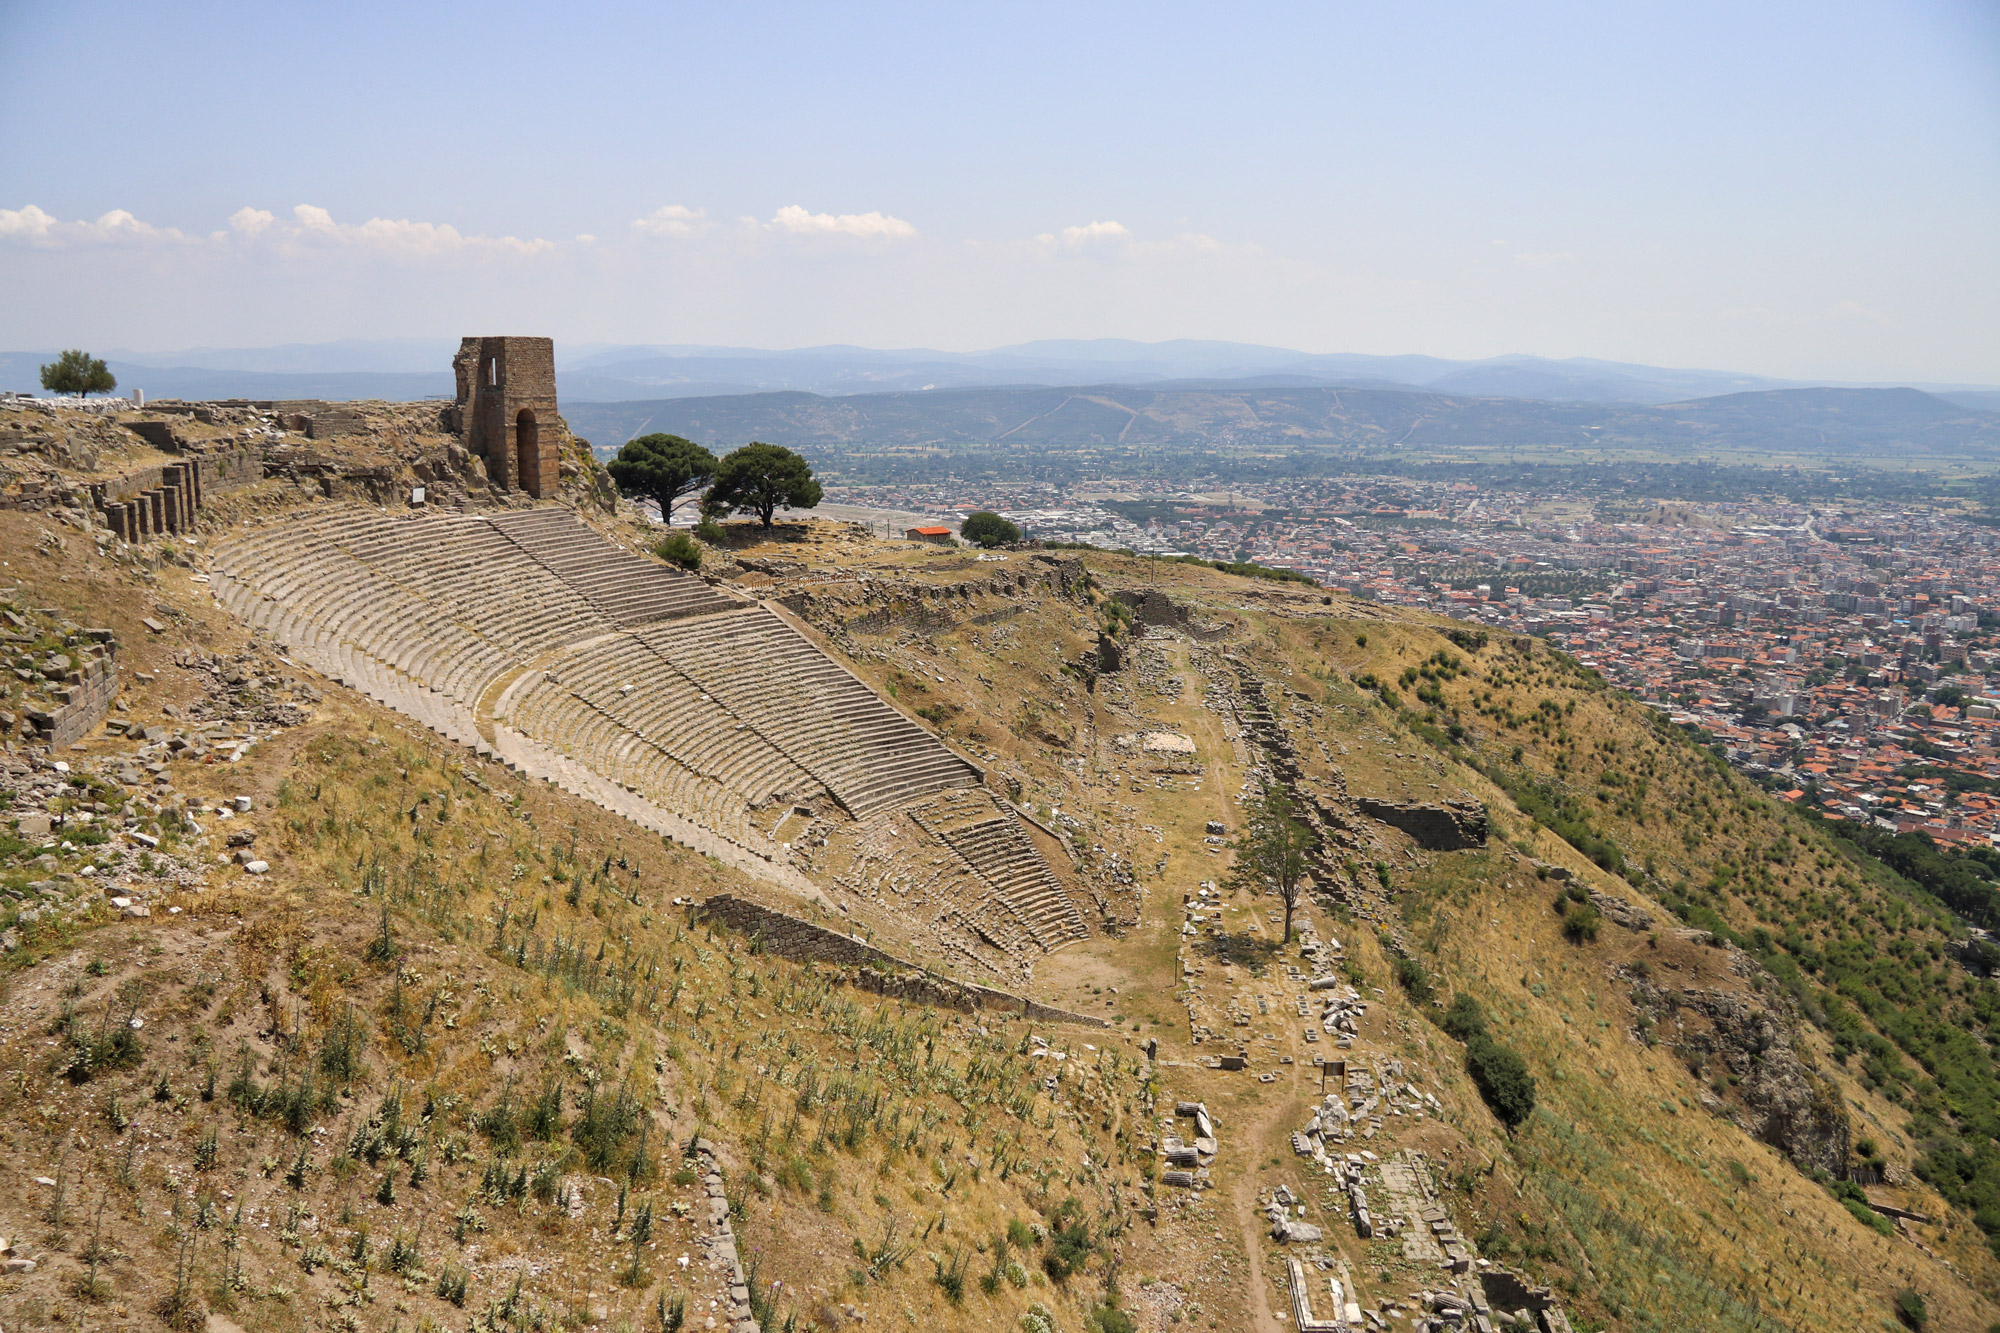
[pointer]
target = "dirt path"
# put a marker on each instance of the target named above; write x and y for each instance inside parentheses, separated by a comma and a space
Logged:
(1254, 1137)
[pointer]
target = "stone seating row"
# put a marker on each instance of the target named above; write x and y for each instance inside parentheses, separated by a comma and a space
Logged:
(626, 589)
(1000, 852)
(773, 679)
(352, 666)
(563, 721)
(658, 693)
(921, 878)
(630, 683)
(414, 589)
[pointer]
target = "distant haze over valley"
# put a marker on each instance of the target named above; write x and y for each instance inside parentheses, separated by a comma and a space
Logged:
(414, 368)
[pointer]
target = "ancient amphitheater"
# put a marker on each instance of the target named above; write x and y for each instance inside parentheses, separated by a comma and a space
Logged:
(704, 716)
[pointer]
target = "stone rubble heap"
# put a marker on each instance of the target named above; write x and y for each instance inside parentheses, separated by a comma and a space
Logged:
(110, 828)
(1189, 1162)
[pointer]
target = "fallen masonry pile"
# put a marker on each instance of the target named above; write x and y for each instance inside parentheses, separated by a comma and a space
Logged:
(1487, 1301)
(1189, 1161)
(112, 829)
(1340, 1017)
(1285, 1212)
(1520, 1306)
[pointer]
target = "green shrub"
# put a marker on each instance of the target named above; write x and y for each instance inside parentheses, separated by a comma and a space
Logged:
(1070, 1242)
(1416, 983)
(1503, 1080)
(1465, 1019)
(1108, 1318)
(1910, 1309)
(1868, 1217)
(1580, 923)
(677, 548)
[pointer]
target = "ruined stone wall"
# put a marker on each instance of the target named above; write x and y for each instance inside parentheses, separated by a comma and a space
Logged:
(1437, 828)
(87, 696)
(875, 971)
(154, 501)
(1153, 608)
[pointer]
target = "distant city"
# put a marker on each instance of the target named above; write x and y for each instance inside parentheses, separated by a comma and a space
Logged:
(1844, 655)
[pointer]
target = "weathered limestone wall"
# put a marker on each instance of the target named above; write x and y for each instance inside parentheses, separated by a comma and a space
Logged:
(875, 971)
(92, 687)
(1154, 608)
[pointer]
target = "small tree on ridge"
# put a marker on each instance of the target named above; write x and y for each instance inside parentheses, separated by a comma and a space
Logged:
(665, 469)
(77, 371)
(988, 529)
(760, 479)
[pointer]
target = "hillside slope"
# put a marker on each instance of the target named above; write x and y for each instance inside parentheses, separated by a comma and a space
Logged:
(413, 1041)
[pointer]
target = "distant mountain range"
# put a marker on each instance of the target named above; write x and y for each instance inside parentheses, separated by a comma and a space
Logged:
(1229, 416)
(412, 368)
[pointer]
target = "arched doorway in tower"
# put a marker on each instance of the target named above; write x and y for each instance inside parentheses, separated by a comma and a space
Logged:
(528, 452)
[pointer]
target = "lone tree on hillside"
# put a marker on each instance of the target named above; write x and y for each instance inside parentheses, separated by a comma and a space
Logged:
(665, 469)
(988, 529)
(1273, 851)
(77, 371)
(759, 479)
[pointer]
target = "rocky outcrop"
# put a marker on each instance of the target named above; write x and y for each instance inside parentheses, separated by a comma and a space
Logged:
(1785, 1101)
(1621, 910)
(1774, 1091)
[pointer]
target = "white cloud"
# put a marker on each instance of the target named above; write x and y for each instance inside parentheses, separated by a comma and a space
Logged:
(675, 220)
(1075, 238)
(33, 226)
(869, 226)
(1548, 259)
(250, 221)
(1187, 242)
(309, 224)
(1855, 310)
(402, 236)
(30, 223)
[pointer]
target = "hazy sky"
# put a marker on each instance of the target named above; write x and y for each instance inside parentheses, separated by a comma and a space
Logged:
(1808, 189)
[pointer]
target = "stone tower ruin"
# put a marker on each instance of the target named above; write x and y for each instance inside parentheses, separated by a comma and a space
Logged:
(506, 409)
